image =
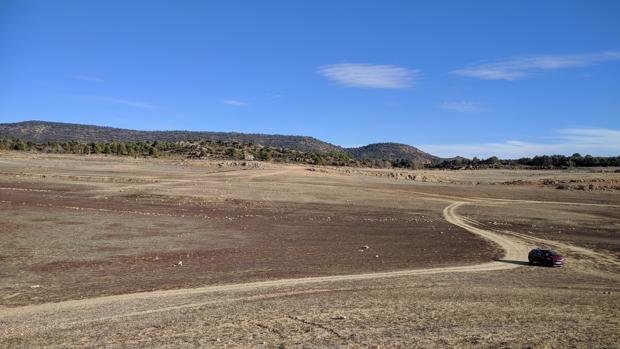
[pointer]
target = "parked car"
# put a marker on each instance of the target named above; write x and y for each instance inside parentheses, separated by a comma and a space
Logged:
(545, 256)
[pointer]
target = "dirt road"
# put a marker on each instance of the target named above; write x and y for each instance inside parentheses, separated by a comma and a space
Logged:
(514, 245)
(483, 300)
(127, 305)
(44, 319)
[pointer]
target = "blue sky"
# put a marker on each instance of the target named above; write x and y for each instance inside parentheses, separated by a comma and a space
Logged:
(507, 78)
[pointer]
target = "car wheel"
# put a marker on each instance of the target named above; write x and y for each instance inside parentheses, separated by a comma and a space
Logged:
(531, 262)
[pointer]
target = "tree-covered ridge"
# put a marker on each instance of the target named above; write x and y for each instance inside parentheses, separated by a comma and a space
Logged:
(219, 150)
(186, 149)
(44, 131)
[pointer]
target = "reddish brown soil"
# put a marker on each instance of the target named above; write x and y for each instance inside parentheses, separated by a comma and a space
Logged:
(77, 227)
(244, 241)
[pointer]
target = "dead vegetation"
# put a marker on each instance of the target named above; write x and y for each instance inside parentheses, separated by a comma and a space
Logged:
(66, 235)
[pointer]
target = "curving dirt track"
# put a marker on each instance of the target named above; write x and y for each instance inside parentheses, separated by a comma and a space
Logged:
(135, 304)
(69, 320)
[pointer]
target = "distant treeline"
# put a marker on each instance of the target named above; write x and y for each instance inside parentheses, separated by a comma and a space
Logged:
(541, 162)
(222, 150)
(187, 149)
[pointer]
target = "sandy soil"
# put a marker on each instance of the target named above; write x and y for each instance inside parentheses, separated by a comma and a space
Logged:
(271, 257)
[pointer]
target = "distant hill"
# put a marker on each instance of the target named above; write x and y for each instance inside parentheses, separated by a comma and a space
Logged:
(44, 131)
(391, 151)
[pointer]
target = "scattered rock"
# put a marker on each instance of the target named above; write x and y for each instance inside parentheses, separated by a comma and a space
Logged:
(364, 248)
(339, 317)
(35, 286)
(376, 256)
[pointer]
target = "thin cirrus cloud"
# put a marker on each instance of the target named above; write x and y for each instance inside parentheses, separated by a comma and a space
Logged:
(519, 67)
(464, 106)
(87, 78)
(595, 141)
(235, 102)
(363, 75)
(126, 102)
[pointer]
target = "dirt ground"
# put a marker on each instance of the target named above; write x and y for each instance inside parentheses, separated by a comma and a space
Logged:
(220, 237)
(590, 227)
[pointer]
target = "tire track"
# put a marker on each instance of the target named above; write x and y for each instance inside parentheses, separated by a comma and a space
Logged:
(73, 313)
(143, 303)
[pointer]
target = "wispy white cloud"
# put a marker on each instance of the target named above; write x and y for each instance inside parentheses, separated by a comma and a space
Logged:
(591, 136)
(235, 102)
(87, 78)
(595, 141)
(369, 75)
(464, 106)
(129, 103)
(515, 68)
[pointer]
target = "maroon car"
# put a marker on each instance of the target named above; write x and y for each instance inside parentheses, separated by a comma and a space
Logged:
(545, 256)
